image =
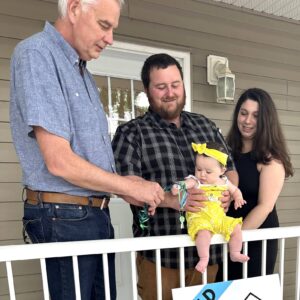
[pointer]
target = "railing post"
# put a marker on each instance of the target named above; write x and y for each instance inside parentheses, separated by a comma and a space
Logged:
(245, 264)
(182, 267)
(76, 277)
(158, 275)
(106, 276)
(10, 278)
(225, 262)
(44, 279)
(133, 275)
(297, 283)
(281, 265)
(263, 258)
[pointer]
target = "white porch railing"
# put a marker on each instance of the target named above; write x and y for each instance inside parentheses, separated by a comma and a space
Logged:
(8, 254)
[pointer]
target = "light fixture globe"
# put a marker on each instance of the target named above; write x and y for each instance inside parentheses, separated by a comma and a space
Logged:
(226, 88)
(219, 74)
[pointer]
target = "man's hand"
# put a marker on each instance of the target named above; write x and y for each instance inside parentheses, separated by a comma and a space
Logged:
(148, 192)
(144, 192)
(226, 200)
(195, 200)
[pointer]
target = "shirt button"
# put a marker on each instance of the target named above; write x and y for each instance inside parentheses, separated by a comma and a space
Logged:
(76, 94)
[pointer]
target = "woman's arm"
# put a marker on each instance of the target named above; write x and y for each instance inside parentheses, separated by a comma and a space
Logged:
(270, 185)
(233, 177)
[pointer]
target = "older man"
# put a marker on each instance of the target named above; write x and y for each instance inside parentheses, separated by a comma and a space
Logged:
(60, 134)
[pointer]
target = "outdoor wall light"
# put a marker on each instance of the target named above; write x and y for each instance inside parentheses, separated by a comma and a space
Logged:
(219, 74)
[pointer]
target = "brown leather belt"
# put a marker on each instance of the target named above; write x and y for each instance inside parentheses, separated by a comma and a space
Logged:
(35, 197)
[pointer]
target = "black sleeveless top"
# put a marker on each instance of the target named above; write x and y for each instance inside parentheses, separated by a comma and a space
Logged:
(249, 186)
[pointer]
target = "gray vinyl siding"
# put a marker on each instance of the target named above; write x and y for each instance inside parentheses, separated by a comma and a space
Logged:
(262, 51)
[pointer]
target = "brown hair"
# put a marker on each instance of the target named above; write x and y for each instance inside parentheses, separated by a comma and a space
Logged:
(269, 141)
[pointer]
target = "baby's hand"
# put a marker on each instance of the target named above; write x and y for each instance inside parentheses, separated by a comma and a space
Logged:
(175, 189)
(238, 203)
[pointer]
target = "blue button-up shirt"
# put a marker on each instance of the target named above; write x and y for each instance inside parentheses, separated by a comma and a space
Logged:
(48, 90)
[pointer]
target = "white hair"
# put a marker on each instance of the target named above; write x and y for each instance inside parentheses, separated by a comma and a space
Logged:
(62, 5)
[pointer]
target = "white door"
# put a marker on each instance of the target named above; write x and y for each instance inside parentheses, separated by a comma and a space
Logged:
(117, 74)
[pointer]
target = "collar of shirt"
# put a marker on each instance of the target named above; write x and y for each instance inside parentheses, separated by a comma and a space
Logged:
(162, 123)
(68, 50)
(82, 63)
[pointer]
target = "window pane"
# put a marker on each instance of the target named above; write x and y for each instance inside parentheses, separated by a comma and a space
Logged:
(140, 99)
(121, 98)
(101, 82)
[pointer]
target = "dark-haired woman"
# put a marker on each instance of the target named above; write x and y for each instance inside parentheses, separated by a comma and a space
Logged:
(262, 161)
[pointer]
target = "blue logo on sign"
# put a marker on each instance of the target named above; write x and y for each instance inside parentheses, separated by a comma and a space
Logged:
(213, 291)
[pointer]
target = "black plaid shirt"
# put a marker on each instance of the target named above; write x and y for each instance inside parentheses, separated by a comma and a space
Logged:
(156, 150)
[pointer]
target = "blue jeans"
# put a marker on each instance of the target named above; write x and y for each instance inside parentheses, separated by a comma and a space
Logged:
(45, 223)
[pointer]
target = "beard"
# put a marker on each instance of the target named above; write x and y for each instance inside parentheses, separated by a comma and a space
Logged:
(164, 110)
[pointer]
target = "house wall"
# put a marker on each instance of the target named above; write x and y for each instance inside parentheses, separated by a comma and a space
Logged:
(263, 52)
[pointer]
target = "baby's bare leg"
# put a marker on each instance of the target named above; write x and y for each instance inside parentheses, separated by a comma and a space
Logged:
(235, 245)
(202, 243)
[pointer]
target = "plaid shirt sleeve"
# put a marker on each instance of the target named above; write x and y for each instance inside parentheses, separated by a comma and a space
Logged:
(127, 152)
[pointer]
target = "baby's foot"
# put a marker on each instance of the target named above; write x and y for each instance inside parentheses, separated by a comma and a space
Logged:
(238, 257)
(202, 264)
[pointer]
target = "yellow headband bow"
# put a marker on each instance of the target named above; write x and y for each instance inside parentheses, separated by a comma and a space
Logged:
(216, 154)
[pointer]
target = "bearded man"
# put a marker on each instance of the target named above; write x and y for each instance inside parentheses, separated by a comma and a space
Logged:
(157, 147)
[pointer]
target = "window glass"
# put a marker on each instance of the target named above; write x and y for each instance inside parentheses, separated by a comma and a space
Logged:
(102, 85)
(140, 99)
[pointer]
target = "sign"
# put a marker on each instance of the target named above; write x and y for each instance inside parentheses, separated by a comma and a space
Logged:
(255, 288)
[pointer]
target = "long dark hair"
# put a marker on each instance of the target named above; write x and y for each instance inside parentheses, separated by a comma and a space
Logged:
(268, 142)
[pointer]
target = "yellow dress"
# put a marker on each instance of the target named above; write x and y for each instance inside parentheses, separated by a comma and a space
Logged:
(212, 217)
